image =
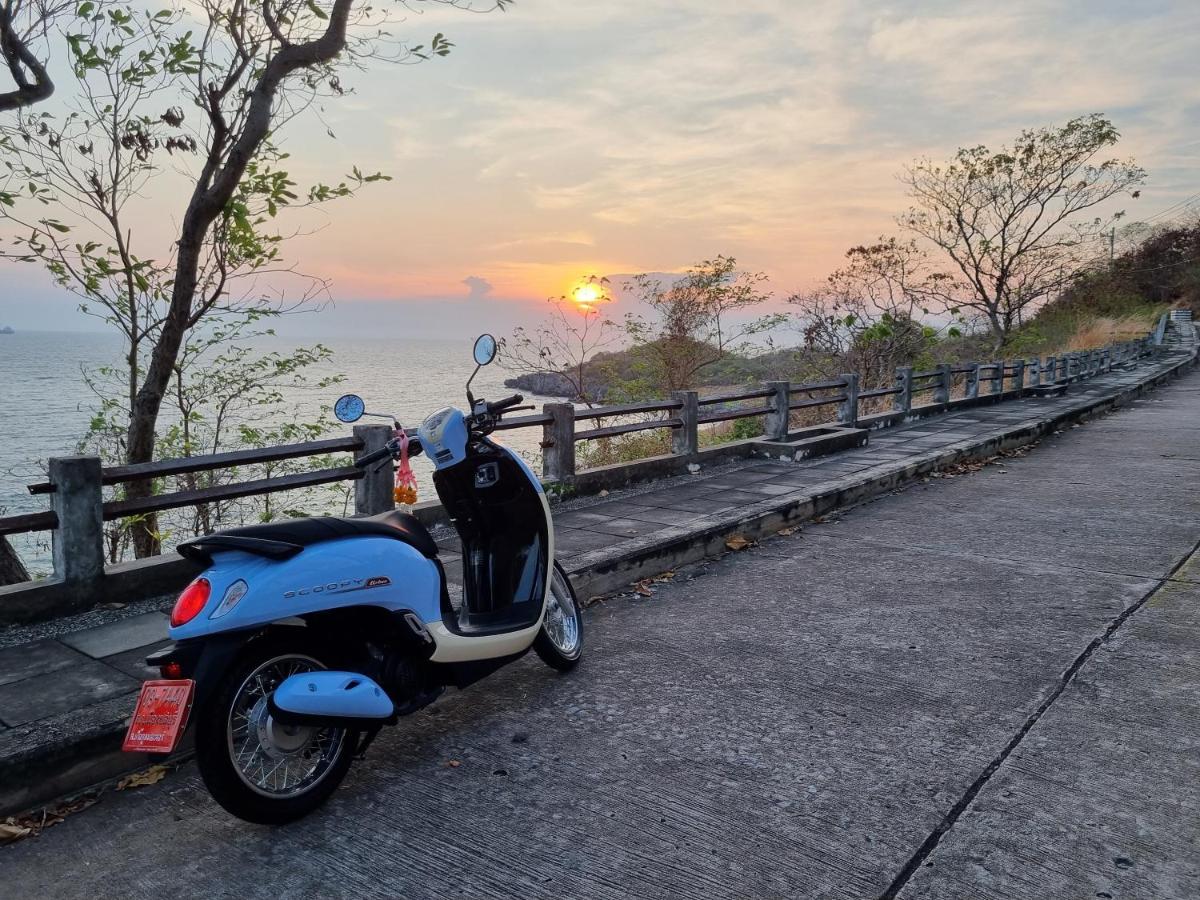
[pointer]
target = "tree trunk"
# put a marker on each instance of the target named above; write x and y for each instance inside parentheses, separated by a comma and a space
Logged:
(21, 65)
(209, 197)
(12, 570)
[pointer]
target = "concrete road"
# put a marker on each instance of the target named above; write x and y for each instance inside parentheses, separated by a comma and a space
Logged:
(984, 686)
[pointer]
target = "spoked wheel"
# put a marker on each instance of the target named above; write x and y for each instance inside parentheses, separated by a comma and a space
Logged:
(560, 642)
(257, 768)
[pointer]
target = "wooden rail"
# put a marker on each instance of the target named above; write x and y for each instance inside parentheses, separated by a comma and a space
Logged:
(188, 465)
(119, 509)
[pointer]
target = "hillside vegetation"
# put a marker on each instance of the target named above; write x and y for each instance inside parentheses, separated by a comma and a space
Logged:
(1122, 301)
(1100, 306)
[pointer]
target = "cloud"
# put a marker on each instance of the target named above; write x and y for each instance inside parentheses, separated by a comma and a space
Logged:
(476, 286)
(561, 139)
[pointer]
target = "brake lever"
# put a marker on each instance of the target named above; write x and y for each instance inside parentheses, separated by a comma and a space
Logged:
(519, 408)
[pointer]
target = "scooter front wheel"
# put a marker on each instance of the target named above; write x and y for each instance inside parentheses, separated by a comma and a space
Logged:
(560, 642)
(258, 769)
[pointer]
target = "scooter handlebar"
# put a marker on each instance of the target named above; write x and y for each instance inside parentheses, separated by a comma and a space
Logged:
(371, 458)
(391, 448)
(496, 406)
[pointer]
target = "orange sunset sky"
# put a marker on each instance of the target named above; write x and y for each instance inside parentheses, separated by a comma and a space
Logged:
(565, 138)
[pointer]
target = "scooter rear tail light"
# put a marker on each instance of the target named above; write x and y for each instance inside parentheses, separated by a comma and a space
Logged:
(171, 670)
(190, 602)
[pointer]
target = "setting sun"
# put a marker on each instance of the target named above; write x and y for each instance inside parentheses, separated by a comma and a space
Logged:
(587, 294)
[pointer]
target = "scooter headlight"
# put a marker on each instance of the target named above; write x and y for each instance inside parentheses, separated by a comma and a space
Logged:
(234, 593)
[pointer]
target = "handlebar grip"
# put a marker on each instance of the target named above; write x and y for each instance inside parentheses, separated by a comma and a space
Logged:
(498, 405)
(382, 453)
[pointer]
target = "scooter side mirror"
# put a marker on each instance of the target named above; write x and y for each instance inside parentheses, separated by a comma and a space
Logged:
(485, 349)
(349, 408)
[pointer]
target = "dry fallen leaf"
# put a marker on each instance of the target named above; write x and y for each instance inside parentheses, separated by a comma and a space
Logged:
(14, 828)
(10, 831)
(152, 775)
(643, 588)
(737, 542)
(453, 764)
(788, 532)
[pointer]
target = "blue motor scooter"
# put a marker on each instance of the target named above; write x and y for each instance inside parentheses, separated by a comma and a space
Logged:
(302, 638)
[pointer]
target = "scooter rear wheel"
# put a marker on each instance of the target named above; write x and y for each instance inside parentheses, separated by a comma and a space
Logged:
(560, 641)
(256, 768)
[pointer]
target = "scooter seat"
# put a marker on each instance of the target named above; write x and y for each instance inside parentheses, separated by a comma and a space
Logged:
(295, 534)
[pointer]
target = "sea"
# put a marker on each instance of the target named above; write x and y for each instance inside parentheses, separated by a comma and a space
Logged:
(45, 404)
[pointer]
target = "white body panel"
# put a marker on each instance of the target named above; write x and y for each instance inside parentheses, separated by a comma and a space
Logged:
(453, 647)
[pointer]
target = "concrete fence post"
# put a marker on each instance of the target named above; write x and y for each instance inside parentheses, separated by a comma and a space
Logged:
(848, 411)
(374, 493)
(1051, 369)
(998, 377)
(685, 441)
(1035, 372)
(903, 400)
(78, 541)
(941, 393)
(973, 381)
(558, 442)
(776, 425)
(1019, 376)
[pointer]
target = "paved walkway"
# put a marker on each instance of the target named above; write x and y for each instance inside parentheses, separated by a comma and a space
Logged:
(873, 706)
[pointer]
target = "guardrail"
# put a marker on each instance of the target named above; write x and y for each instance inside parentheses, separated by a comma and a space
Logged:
(75, 487)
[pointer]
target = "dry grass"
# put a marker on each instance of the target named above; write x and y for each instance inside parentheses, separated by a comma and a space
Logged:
(1100, 332)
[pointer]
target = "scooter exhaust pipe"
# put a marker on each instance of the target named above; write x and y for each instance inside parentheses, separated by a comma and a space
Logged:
(331, 699)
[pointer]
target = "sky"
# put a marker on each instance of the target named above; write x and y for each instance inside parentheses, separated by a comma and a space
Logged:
(561, 139)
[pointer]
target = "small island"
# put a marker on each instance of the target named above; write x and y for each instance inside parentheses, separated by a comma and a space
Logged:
(7, 329)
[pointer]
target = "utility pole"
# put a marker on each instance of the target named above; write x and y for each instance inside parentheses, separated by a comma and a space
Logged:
(1112, 247)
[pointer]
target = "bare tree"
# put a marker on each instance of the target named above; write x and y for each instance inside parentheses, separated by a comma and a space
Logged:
(1017, 222)
(25, 28)
(692, 323)
(870, 315)
(564, 344)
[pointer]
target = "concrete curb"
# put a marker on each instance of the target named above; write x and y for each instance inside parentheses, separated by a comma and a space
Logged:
(76, 751)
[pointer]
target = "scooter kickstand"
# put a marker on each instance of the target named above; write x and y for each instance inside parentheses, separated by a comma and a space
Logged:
(365, 741)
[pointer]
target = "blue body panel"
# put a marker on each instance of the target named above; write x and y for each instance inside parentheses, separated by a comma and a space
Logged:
(338, 695)
(359, 571)
(444, 437)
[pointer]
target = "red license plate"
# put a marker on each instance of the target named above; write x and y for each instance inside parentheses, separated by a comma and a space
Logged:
(161, 714)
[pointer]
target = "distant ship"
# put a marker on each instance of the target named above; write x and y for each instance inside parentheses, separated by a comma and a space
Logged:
(7, 330)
